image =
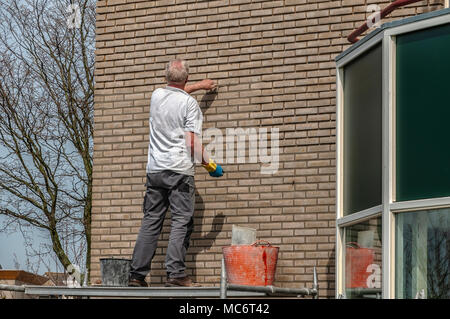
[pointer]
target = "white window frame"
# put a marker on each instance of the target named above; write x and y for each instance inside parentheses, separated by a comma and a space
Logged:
(389, 207)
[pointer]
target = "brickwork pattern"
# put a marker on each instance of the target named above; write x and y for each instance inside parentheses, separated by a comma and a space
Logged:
(274, 63)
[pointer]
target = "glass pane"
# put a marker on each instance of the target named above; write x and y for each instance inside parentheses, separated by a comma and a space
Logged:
(363, 259)
(362, 132)
(423, 254)
(423, 113)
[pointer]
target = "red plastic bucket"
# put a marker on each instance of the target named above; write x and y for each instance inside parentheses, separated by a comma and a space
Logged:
(252, 265)
(357, 259)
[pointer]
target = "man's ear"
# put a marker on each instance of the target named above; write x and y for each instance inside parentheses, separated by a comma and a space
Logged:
(186, 79)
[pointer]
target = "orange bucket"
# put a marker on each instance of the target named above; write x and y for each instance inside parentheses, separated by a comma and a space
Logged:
(251, 265)
(357, 259)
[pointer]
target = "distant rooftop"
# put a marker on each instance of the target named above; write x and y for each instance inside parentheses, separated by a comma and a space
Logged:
(23, 276)
(57, 278)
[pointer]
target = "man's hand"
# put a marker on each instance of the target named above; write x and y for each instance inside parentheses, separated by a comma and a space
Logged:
(206, 84)
(197, 151)
(218, 172)
(214, 170)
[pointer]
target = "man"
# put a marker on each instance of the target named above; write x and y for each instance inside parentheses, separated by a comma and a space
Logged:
(175, 123)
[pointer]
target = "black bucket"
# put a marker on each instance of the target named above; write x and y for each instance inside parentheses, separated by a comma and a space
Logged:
(115, 271)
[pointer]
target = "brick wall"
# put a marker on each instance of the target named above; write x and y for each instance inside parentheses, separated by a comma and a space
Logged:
(274, 63)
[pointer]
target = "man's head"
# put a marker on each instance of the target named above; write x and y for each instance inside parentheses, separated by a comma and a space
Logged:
(177, 72)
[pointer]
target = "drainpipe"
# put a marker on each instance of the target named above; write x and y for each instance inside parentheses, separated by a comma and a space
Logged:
(353, 37)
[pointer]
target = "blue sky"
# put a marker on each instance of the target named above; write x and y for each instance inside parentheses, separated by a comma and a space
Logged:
(10, 244)
(13, 243)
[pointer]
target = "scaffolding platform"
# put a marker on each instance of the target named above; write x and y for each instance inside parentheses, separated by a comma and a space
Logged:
(136, 292)
(225, 290)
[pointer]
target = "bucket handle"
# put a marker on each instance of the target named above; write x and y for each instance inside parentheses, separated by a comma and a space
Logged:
(256, 243)
(353, 244)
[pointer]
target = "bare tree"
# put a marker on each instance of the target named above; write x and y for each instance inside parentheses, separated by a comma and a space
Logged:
(46, 121)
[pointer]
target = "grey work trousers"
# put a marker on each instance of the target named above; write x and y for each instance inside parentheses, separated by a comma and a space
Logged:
(165, 190)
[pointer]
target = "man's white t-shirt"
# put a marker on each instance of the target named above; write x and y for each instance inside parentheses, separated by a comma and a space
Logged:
(172, 113)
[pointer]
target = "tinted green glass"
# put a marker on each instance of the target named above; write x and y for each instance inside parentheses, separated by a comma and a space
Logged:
(362, 132)
(423, 114)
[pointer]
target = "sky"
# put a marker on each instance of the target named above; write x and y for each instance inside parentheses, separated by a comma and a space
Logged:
(14, 243)
(10, 244)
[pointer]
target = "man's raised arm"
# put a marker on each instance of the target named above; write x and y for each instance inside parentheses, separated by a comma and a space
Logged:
(206, 84)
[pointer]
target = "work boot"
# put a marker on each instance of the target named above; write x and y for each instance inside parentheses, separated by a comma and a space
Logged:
(181, 282)
(134, 282)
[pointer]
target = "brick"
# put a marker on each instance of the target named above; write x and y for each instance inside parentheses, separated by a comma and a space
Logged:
(274, 62)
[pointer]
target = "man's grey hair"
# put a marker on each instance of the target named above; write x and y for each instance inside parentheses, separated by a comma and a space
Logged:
(177, 71)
